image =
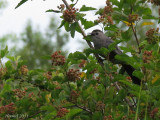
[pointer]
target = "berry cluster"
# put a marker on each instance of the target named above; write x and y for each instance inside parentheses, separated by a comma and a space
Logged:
(62, 112)
(8, 109)
(132, 18)
(19, 93)
(156, 2)
(151, 35)
(73, 96)
(30, 94)
(2, 72)
(73, 75)
(108, 8)
(109, 117)
(48, 75)
(147, 56)
(70, 14)
(57, 59)
(24, 70)
(100, 106)
(83, 63)
(153, 112)
(106, 17)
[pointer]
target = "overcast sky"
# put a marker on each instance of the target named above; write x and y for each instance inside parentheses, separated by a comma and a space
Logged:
(14, 20)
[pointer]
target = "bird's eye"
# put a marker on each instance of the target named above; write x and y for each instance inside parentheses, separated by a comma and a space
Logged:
(96, 33)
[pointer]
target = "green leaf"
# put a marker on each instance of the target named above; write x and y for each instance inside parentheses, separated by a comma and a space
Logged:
(73, 113)
(4, 52)
(8, 65)
(149, 17)
(97, 116)
(111, 28)
(84, 8)
(51, 10)
(67, 26)
(123, 58)
(115, 2)
(131, 1)
(79, 15)
(20, 3)
(62, 24)
(99, 12)
(88, 51)
(132, 86)
(143, 11)
(138, 74)
(127, 34)
(118, 16)
(76, 56)
(47, 108)
(73, 28)
(87, 24)
(143, 43)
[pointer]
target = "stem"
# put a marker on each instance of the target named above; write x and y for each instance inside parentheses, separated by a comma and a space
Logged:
(83, 108)
(134, 32)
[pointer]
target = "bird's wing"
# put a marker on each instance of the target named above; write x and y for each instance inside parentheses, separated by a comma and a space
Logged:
(109, 41)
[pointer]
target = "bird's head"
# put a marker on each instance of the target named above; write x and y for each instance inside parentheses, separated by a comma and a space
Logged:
(97, 35)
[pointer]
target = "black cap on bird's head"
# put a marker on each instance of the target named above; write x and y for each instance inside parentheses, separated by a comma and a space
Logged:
(95, 32)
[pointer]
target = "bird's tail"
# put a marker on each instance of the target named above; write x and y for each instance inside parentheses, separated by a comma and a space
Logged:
(129, 69)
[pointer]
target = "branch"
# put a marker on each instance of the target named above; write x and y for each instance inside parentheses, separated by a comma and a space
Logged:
(83, 108)
(134, 32)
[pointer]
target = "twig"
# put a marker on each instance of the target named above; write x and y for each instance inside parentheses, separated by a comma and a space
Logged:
(134, 32)
(83, 108)
(96, 55)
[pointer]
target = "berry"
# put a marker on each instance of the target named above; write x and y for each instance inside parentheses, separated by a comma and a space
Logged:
(57, 59)
(73, 75)
(62, 112)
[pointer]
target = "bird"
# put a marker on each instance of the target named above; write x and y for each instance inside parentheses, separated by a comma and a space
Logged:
(100, 40)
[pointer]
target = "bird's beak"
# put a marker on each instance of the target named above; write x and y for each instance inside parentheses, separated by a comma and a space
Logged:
(90, 34)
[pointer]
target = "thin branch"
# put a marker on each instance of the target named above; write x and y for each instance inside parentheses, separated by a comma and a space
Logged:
(134, 32)
(83, 108)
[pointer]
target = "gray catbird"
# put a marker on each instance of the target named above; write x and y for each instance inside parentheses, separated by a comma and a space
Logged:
(101, 40)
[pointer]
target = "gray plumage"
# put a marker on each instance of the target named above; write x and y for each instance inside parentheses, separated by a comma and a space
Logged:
(100, 40)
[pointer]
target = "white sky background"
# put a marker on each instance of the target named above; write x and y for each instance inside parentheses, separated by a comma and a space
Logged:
(14, 20)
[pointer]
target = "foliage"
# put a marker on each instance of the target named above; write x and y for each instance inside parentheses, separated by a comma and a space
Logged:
(36, 44)
(78, 87)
